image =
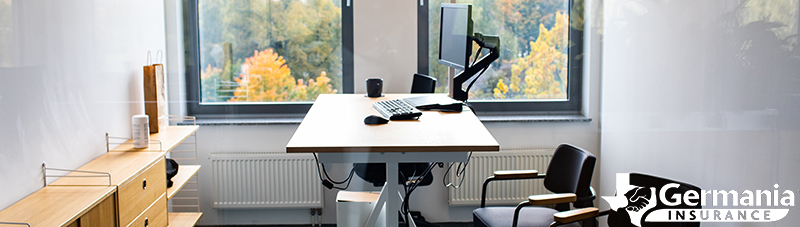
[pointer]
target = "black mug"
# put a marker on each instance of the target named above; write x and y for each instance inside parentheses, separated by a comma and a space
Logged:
(374, 87)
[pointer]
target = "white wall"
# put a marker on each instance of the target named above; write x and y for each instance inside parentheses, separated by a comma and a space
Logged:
(696, 91)
(71, 71)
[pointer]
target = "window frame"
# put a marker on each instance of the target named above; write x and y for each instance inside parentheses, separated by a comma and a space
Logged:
(573, 105)
(192, 62)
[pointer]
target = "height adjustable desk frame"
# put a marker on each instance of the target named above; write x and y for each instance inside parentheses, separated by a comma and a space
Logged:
(334, 128)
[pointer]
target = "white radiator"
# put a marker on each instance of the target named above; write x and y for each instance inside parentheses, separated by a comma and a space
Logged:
(265, 180)
(509, 192)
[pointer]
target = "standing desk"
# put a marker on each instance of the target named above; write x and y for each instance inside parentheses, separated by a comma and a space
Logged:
(334, 128)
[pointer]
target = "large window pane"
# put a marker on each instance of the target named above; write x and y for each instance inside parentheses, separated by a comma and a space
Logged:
(534, 54)
(269, 50)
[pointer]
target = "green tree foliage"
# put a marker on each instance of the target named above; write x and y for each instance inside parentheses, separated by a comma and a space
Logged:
(534, 40)
(524, 17)
(306, 34)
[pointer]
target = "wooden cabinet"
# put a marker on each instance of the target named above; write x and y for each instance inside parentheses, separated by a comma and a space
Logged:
(140, 178)
(65, 206)
(104, 214)
(138, 194)
(135, 195)
(155, 215)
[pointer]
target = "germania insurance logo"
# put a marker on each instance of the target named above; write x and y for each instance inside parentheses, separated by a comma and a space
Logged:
(643, 200)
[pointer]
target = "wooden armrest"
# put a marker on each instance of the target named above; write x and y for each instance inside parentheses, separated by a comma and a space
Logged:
(515, 174)
(575, 215)
(552, 198)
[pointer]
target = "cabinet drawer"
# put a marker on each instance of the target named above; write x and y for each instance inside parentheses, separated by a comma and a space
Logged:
(155, 216)
(138, 194)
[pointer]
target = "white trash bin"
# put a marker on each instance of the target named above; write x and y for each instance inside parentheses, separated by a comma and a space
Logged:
(353, 208)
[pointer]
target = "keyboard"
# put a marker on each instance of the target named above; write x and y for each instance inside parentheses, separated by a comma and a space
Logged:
(397, 109)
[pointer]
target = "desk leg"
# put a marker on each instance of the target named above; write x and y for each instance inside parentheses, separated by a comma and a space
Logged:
(392, 188)
(410, 220)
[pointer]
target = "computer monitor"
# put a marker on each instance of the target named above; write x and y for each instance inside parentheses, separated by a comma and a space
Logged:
(455, 32)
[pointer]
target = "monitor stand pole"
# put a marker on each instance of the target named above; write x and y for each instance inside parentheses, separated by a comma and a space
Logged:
(476, 70)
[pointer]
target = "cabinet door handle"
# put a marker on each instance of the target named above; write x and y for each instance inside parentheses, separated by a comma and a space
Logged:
(146, 222)
(144, 184)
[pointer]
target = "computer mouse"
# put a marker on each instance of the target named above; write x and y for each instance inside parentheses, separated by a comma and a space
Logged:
(375, 120)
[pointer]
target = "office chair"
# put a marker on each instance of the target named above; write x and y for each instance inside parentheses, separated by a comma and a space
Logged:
(569, 175)
(375, 173)
(423, 84)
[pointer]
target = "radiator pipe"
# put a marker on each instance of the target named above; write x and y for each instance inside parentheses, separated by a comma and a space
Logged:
(319, 219)
(313, 217)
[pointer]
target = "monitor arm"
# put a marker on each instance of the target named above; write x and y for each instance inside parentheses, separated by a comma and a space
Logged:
(489, 42)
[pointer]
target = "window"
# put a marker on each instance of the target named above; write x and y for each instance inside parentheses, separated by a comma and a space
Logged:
(263, 56)
(275, 56)
(540, 65)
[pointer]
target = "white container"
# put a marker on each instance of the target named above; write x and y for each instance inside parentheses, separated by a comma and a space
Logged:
(353, 208)
(140, 124)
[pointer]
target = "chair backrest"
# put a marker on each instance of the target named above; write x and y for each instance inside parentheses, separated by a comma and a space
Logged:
(649, 181)
(570, 171)
(423, 84)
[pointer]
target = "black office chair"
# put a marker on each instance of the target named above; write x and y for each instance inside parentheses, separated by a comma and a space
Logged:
(423, 84)
(375, 173)
(569, 175)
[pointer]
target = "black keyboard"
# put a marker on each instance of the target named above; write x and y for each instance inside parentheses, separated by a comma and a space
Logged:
(397, 109)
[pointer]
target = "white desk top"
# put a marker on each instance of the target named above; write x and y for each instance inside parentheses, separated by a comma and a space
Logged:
(335, 123)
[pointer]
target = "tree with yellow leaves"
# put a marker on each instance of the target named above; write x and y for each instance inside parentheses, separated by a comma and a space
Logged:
(268, 79)
(544, 68)
(209, 78)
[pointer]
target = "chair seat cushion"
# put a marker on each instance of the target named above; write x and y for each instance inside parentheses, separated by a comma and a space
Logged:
(504, 217)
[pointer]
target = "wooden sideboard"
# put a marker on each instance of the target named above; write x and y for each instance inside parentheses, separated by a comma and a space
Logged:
(137, 195)
(65, 206)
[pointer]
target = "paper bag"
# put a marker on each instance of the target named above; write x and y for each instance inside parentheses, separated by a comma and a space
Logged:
(155, 96)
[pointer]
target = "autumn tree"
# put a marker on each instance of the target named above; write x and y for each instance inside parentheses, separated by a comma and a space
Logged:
(524, 18)
(209, 78)
(268, 79)
(546, 66)
(519, 24)
(307, 34)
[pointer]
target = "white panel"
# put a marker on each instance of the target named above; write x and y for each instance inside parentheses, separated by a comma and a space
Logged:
(706, 92)
(71, 71)
(385, 43)
(265, 180)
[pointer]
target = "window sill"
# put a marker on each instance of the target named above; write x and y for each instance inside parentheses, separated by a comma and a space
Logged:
(246, 121)
(502, 118)
(497, 118)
